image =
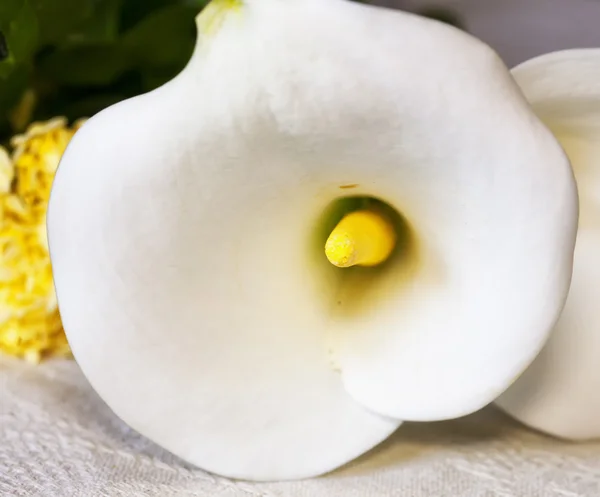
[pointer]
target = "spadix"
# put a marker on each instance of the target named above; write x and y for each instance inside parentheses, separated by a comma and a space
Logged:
(362, 238)
(185, 232)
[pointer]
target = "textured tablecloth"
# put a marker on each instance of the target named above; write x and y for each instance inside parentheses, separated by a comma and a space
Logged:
(57, 438)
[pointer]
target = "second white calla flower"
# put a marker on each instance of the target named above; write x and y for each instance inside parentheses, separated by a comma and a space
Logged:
(560, 392)
(188, 229)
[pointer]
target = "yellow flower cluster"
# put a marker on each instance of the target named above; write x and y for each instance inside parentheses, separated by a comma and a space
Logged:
(30, 325)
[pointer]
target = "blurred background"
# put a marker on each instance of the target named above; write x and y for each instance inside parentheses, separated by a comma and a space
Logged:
(519, 29)
(75, 57)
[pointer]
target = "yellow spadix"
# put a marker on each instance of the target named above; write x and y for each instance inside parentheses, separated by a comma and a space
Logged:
(361, 238)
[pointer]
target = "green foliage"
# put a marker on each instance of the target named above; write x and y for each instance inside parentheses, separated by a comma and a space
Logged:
(78, 56)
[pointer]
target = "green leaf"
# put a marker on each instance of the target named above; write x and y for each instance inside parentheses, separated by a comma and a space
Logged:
(101, 28)
(134, 11)
(3, 47)
(11, 89)
(59, 18)
(87, 107)
(164, 38)
(94, 65)
(155, 77)
(80, 56)
(9, 9)
(19, 25)
(198, 5)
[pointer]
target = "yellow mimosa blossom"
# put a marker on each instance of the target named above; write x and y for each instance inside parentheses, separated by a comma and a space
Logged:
(30, 325)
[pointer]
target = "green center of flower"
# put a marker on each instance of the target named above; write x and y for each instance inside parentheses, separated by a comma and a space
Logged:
(371, 251)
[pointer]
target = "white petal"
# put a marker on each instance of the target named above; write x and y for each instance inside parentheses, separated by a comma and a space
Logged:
(180, 305)
(492, 202)
(560, 392)
(192, 283)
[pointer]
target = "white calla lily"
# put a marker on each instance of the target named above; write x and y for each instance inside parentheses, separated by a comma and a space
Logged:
(188, 228)
(560, 392)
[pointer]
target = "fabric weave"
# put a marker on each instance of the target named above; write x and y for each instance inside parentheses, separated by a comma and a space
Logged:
(57, 438)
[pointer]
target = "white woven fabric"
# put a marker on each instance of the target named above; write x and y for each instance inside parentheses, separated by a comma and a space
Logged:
(57, 438)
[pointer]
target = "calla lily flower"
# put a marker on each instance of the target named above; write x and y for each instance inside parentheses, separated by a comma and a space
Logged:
(560, 392)
(336, 218)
